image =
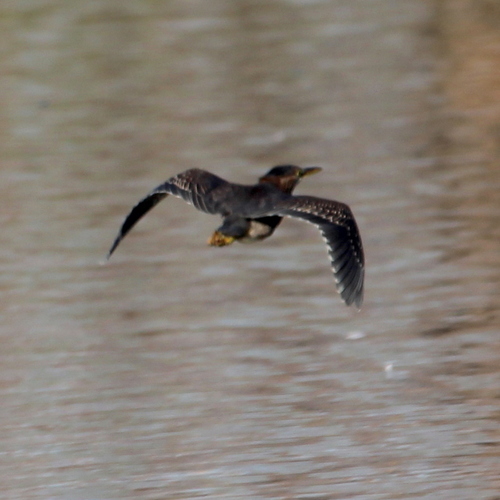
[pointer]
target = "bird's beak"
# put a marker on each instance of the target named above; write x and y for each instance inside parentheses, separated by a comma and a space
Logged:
(310, 171)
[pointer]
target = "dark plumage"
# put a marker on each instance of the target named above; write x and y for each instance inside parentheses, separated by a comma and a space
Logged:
(252, 213)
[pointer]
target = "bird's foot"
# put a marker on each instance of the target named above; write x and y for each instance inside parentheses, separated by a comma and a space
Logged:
(220, 240)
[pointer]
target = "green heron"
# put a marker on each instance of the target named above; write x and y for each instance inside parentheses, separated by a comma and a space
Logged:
(252, 213)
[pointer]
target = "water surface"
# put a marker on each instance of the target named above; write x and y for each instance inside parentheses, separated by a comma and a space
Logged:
(182, 371)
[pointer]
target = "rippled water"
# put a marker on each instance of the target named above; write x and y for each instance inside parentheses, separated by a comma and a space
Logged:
(183, 371)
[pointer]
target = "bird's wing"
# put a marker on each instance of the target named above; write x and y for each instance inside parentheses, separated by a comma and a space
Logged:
(194, 186)
(340, 232)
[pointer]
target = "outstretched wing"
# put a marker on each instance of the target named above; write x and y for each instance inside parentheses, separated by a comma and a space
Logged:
(194, 186)
(340, 232)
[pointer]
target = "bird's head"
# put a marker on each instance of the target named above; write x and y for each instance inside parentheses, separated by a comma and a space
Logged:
(286, 177)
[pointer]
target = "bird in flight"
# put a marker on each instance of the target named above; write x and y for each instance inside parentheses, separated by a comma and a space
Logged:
(252, 213)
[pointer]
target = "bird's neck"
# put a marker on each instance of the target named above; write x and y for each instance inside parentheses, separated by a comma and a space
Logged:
(284, 185)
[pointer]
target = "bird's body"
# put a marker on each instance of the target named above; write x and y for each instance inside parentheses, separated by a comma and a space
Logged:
(252, 213)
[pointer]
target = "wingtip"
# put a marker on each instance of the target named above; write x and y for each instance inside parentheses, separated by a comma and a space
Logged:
(352, 296)
(358, 301)
(355, 299)
(113, 247)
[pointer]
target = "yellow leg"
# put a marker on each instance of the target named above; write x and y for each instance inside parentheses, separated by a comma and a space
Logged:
(220, 240)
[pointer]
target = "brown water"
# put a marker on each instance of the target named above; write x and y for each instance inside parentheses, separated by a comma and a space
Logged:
(182, 371)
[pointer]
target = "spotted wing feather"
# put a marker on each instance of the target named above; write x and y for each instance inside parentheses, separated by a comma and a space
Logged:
(340, 232)
(194, 186)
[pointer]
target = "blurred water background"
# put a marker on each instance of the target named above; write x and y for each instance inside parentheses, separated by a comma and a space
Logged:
(180, 371)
